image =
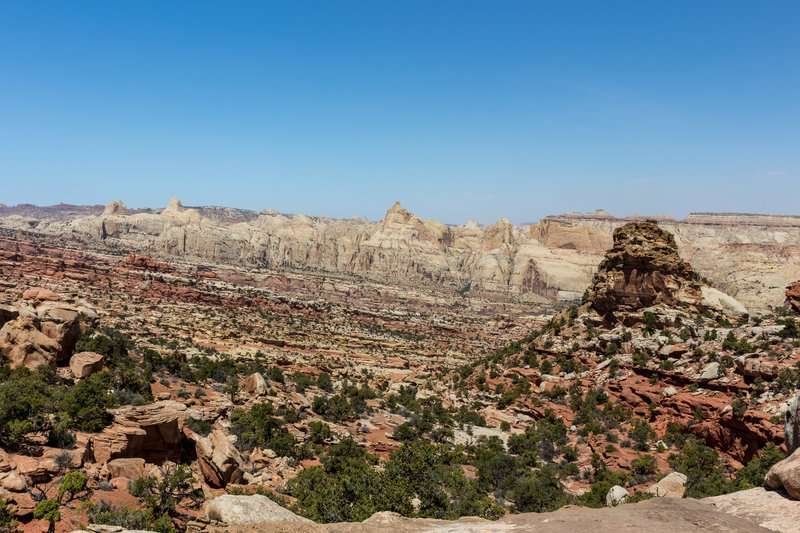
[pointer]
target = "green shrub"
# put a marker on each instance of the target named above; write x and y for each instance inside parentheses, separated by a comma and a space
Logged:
(539, 492)
(201, 427)
(8, 521)
(701, 465)
(259, 428)
(88, 401)
(645, 465)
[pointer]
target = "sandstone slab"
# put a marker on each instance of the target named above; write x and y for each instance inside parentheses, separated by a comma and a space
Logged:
(254, 509)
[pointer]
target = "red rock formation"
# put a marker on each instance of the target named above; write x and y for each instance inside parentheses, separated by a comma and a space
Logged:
(146, 263)
(23, 343)
(641, 270)
(150, 432)
(793, 295)
(85, 364)
(219, 460)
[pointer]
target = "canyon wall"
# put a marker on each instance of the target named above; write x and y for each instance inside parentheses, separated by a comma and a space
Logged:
(751, 257)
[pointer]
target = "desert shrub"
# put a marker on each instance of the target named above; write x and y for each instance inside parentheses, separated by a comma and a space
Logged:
(790, 328)
(319, 432)
(602, 482)
(752, 475)
(466, 416)
(645, 465)
(8, 521)
(507, 398)
(641, 433)
(259, 428)
(325, 382)
(702, 467)
(650, 322)
(87, 402)
(739, 407)
(276, 374)
(302, 381)
(49, 510)
(106, 513)
(348, 487)
(740, 346)
(539, 492)
(160, 497)
(26, 401)
(201, 427)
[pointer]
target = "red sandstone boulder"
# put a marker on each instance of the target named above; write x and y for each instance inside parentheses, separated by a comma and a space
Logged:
(13, 482)
(754, 367)
(85, 364)
(39, 294)
(220, 462)
(793, 295)
(39, 316)
(255, 385)
(61, 323)
(786, 475)
(128, 468)
(23, 343)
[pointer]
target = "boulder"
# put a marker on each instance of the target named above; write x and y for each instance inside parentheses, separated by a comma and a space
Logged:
(791, 426)
(129, 467)
(13, 482)
(255, 385)
(60, 322)
(793, 295)
(670, 486)
(252, 509)
(220, 462)
(674, 350)
(786, 475)
(770, 509)
(711, 371)
(754, 367)
(616, 495)
(150, 431)
(40, 294)
(23, 343)
(85, 364)
(719, 301)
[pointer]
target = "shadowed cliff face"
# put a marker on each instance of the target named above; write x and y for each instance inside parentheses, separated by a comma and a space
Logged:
(641, 270)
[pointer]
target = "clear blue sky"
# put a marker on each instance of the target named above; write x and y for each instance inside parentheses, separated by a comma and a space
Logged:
(457, 109)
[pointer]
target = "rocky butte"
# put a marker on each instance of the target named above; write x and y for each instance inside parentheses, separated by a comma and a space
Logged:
(211, 369)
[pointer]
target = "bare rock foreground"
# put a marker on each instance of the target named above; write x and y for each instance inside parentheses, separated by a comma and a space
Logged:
(667, 515)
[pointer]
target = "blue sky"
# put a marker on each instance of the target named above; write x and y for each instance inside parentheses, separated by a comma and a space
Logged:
(458, 110)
